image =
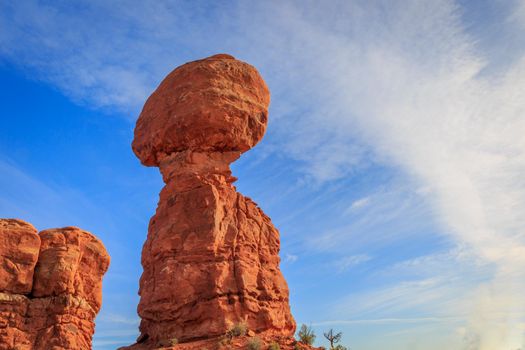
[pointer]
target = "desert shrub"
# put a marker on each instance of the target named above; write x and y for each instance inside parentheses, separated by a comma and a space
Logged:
(168, 342)
(254, 343)
(238, 329)
(274, 346)
(306, 335)
(339, 347)
(225, 340)
(296, 346)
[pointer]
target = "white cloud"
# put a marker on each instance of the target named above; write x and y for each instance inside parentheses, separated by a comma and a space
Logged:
(344, 263)
(394, 212)
(290, 258)
(103, 54)
(359, 203)
(118, 319)
(44, 205)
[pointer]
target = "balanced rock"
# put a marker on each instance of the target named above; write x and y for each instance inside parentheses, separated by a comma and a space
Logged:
(211, 258)
(217, 104)
(51, 296)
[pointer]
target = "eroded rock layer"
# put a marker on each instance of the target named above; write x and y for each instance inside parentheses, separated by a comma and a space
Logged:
(50, 286)
(211, 258)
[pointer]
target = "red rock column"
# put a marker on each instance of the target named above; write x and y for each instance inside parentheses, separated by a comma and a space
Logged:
(19, 247)
(67, 288)
(53, 290)
(211, 256)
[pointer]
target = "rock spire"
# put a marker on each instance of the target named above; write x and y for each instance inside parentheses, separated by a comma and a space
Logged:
(211, 257)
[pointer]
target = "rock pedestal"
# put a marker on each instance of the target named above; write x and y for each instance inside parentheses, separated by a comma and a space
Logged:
(50, 287)
(211, 258)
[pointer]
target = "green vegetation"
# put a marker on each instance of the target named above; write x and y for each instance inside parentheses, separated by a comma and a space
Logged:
(238, 330)
(274, 346)
(254, 343)
(168, 342)
(306, 335)
(224, 341)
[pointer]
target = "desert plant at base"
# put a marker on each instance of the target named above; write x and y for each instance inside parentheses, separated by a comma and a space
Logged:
(254, 343)
(225, 340)
(168, 342)
(306, 335)
(238, 330)
(274, 346)
(334, 338)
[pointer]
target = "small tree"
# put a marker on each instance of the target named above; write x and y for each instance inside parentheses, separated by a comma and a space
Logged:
(306, 335)
(334, 338)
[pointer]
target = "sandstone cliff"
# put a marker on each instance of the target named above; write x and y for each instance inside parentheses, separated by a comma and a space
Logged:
(50, 286)
(211, 257)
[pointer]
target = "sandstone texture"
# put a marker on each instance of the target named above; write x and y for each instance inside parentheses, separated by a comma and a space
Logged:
(50, 286)
(225, 343)
(211, 258)
(217, 104)
(19, 246)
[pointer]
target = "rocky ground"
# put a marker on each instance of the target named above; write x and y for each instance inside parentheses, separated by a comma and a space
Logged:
(226, 343)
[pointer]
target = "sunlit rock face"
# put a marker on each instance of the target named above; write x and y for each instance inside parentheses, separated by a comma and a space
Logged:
(218, 104)
(211, 258)
(50, 286)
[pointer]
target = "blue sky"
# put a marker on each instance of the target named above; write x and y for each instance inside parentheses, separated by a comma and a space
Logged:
(393, 164)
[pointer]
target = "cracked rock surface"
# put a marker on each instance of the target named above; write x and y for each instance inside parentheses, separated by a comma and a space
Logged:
(50, 286)
(211, 257)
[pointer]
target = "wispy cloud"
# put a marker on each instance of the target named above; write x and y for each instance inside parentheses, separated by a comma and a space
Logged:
(347, 262)
(290, 258)
(118, 319)
(110, 61)
(417, 320)
(358, 204)
(393, 212)
(43, 204)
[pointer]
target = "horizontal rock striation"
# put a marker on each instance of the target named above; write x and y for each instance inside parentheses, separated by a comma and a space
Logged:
(50, 286)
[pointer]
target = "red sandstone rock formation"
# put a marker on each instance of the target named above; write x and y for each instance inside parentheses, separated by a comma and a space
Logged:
(211, 256)
(50, 286)
(19, 246)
